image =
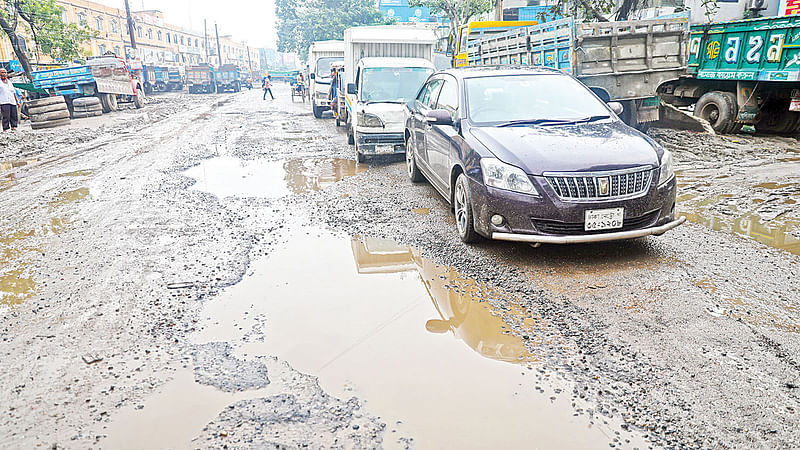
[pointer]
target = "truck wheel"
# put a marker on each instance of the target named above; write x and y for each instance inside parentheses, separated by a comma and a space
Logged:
(138, 99)
(717, 108)
(360, 157)
(317, 111)
(85, 102)
(350, 138)
(109, 102)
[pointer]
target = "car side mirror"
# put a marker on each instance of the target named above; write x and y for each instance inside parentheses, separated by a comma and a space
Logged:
(311, 76)
(351, 88)
(439, 117)
(616, 107)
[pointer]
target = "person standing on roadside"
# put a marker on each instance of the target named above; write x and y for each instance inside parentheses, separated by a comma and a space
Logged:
(267, 88)
(9, 102)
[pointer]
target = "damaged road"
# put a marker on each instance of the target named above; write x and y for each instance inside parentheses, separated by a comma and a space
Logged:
(237, 279)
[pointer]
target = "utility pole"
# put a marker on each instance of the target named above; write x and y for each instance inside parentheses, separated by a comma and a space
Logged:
(219, 49)
(130, 25)
(205, 38)
(249, 62)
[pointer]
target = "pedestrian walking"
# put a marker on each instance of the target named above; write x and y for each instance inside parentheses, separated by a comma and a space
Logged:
(267, 88)
(9, 102)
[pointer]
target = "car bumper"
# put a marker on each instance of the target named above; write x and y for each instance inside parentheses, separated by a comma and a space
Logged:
(380, 143)
(549, 219)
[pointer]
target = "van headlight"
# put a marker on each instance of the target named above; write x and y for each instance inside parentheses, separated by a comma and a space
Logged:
(369, 120)
(505, 176)
(667, 170)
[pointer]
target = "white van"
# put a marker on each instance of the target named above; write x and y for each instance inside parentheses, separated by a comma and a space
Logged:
(321, 54)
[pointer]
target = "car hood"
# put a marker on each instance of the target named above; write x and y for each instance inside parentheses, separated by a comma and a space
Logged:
(390, 113)
(570, 148)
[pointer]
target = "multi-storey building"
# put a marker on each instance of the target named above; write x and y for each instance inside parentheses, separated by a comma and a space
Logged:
(156, 41)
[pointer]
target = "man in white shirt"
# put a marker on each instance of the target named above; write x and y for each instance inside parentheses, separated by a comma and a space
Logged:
(8, 101)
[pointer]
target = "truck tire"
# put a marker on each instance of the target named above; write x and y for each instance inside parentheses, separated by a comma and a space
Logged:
(138, 99)
(360, 157)
(88, 109)
(50, 124)
(775, 118)
(85, 114)
(350, 138)
(317, 110)
(148, 88)
(717, 108)
(46, 101)
(47, 109)
(52, 115)
(161, 86)
(85, 101)
(109, 102)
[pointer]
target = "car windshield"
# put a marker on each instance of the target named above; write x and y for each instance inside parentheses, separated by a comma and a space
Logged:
(324, 65)
(392, 84)
(532, 98)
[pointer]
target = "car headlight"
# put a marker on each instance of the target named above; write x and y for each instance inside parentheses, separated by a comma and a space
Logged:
(369, 120)
(505, 176)
(667, 171)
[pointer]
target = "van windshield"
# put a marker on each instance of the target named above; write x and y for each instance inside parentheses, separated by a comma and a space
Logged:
(324, 65)
(392, 84)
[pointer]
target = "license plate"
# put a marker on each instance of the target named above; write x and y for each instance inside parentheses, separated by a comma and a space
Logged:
(384, 148)
(603, 219)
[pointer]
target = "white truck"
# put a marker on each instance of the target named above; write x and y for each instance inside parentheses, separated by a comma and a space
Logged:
(321, 54)
(384, 68)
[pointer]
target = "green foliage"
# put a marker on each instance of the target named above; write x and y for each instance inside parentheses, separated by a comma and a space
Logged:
(43, 20)
(302, 22)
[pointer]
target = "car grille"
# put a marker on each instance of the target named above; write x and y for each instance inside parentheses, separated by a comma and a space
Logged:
(384, 138)
(554, 227)
(600, 185)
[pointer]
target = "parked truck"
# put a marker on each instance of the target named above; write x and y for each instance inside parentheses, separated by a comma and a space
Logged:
(623, 61)
(106, 77)
(228, 77)
(321, 54)
(200, 79)
(744, 72)
(384, 68)
(176, 78)
(156, 78)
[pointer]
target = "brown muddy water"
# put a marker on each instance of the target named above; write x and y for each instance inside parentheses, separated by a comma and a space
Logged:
(418, 342)
(226, 176)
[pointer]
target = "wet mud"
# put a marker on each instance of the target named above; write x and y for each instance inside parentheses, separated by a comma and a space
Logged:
(224, 261)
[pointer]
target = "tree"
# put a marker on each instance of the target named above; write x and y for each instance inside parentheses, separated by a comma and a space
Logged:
(315, 20)
(459, 12)
(42, 18)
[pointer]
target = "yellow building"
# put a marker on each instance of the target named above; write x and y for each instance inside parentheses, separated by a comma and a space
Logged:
(156, 41)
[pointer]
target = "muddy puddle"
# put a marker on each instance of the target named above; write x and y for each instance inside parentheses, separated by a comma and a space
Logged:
(226, 176)
(418, 342)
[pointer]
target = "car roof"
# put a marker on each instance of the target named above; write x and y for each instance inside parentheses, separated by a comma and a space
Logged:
(501, 70)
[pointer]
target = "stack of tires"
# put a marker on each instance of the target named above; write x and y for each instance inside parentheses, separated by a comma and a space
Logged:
(48, 112)
(86, 107)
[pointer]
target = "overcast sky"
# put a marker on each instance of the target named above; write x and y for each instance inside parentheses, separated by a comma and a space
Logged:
(251, 21)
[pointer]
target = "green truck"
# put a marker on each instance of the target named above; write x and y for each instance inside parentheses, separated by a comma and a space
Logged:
(744, 72)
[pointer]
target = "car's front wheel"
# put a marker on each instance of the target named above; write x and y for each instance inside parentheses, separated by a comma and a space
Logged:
(411, 162)
(462, 204)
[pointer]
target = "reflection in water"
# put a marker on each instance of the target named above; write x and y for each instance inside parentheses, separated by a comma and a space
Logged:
(421, 211)
(751, 227)
(76, 173)
(226, 176)
(460, 301)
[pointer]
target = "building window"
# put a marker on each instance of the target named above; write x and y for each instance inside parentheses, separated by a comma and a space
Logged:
(182, 40)
(150, 33)
(114, 26)
(98, 23)
(117, 50)
(169, 38)
(81, 19)
(189, 42)
(139, 32)
(160, 36)
(64, 16)
(195, 43)
(101, 49)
